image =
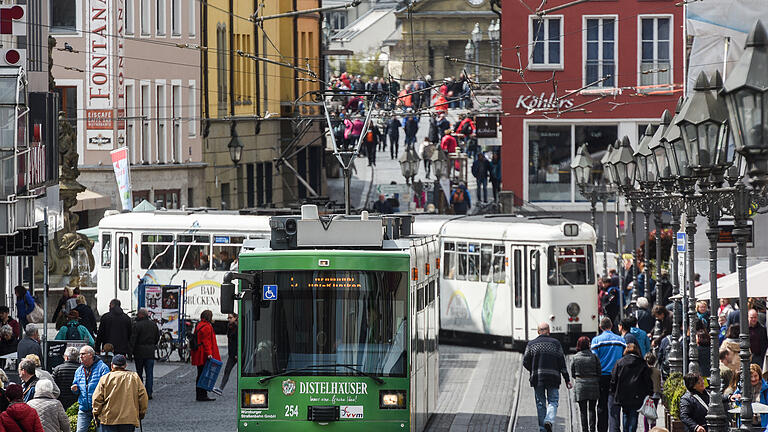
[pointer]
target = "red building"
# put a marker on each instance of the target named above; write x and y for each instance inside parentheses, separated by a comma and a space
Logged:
(592, 73)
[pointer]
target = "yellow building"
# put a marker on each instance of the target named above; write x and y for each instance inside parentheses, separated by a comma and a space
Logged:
(251, 102)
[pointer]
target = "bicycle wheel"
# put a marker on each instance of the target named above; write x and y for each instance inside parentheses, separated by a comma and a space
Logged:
(185, 354)
(164, 347)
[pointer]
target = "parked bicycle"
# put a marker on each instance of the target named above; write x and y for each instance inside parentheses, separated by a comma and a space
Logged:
(167, 344)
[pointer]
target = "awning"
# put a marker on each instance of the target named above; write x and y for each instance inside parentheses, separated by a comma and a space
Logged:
(144, 206)
(90, 200)
(728, 286)
(92, 233)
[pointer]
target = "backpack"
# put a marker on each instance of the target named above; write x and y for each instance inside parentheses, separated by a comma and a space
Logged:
(476, 168)
(458, 195)
(369, 137)
(466, 129)
(665, 357)
(194, 345)
(73, 333)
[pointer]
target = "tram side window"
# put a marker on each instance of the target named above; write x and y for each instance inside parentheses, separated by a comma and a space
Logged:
(569, 265)
(106, 250)
(486, 261)
(461, 258)
(157, 251)
(518, 266)
(192, 252)
(473, 262)
(449, 259)
(590, 265)
(431, 292)
(225, 251)
(499, 270)
(535, 285)
(420, 299)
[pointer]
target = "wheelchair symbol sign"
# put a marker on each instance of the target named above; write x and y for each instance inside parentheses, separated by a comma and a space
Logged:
(269, 293)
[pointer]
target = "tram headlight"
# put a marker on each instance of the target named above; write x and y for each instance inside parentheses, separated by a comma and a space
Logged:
(392, 399)
(255, 399)
(573, 309)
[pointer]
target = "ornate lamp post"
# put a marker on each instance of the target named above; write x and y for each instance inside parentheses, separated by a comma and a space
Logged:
(671, 141)
(646, 177)
(441, 164)
(494, 31)
(469, 51)
(235, 147)
(746, 95)
(607, 181)
(409, 164)
(582, 172)
(624, 167)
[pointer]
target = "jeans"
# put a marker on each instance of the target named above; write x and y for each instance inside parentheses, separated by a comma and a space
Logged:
(427, 167)
(546, 407)
(630, 420)
(482, 189)
(495, 187)
(148, 366)
(614, 413)
(588, 415)
(393, 145)
(118, 428)
(84, 419)
(231, 362)
(602, 404)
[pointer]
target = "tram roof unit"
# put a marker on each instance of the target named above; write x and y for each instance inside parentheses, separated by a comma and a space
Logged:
(170, 220)
(505, 227)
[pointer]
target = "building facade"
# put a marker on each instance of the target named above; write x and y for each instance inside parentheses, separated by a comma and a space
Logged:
(250, 100)
(128, 74)
(590, 75)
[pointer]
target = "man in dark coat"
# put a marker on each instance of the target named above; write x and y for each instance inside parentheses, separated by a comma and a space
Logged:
(481, 169)
(644, 319)
(411, 129)
(758, 341)
(144, 338)
(30, 343)
(64, 375)
(545, 360)
(115, 328)
(393, 132)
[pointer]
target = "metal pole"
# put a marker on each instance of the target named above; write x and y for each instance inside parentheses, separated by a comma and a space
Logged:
(741, 235)
(477, 58)
(675, 354)
(45, 288)
(657, 330)
(635, 288)
(593, 202)
(618, 258)
(646, 252)
(690, 232)
(347, 186)
(605, 241)
(716, 418)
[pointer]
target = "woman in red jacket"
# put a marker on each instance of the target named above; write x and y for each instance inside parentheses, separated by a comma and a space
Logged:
(19, 417)
(206, 348)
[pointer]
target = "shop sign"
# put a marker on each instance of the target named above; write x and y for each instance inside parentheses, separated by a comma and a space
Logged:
(99, 97)
(532, 102)
(486, 126)
(13, 21)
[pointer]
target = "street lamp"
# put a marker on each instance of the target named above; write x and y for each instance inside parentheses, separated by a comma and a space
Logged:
(645, 178)
(493, 36)
(623, 167)
(234, 146)
(746, 94)
(469, 50)
(440, 163)
(607, 181)
(477, 37)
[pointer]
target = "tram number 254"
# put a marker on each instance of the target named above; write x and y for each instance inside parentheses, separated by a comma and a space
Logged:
(291, 410)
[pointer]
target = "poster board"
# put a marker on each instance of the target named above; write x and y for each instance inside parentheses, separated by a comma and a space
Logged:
(55, 351)
(164, 304)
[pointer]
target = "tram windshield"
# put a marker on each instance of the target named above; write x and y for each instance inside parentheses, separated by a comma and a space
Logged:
(571, 265)
(326, 322)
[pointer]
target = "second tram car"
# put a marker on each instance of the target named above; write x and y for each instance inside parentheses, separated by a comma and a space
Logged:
(338, 325)
(503, 275)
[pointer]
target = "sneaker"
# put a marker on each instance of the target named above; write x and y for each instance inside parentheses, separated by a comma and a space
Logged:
(216, 390)
(548, 426)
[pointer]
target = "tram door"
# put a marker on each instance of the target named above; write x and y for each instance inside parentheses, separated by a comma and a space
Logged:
(123, 273)
(518, 277)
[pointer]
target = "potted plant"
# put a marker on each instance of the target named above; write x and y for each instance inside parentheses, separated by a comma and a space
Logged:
(674, 389)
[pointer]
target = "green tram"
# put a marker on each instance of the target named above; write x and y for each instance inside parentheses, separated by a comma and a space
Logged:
(338, 325)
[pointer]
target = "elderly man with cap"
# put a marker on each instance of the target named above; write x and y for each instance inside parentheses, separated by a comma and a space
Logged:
(120, 400)
(74, 330)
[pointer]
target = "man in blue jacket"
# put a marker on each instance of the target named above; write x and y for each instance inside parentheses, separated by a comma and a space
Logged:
(87, 377)
(609, 348)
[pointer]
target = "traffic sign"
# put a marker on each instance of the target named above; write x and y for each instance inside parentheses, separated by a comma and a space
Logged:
(681, 241)
(269, 292)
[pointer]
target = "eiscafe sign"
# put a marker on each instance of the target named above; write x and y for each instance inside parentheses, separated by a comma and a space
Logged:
(99, 90)
(532, 102)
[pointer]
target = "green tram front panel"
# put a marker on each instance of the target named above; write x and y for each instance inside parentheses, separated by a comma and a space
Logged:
(327, 322)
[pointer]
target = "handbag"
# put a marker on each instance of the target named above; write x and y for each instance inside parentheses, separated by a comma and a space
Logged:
(648, 410)
(36, 316)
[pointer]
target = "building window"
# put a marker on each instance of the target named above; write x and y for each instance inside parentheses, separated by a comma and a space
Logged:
(176, 17)
(221, 68)
(600, 58)
(128, 16)
(192, 113)
(130, 113)
(146, 144)
(176, 128)
(655, 50)
(546, 40)
(550, 151)
(168, 199)
(64, 16)
(68, 99)
(162, 149)
(192, 24)
(145, 17)
(160, 15)
(338, 20)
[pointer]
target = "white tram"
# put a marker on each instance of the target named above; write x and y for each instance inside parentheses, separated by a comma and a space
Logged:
(171, 247)
(503, 275)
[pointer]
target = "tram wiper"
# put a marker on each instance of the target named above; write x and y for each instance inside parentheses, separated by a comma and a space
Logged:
(350, 367)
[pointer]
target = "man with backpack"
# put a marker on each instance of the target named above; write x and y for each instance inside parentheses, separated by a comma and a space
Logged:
(144, 338)
(481, 169)
(460, 199)
(73, 330)
(372, 138)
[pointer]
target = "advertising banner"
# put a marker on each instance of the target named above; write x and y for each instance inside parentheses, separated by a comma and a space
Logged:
(153, 295)
(99, 100)
(123, 175)
(171, 311)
